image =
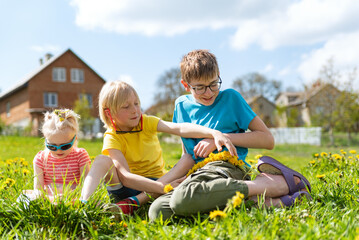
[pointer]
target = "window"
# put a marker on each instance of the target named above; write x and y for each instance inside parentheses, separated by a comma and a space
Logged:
(77, 75)
(88, 97)
(59, 74)
(8, 107)
(50, 99)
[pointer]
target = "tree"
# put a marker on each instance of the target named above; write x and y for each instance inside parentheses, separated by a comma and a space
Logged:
(337, 109)
(82, 108)
(169, 88)
(254, 84)
(348, 113)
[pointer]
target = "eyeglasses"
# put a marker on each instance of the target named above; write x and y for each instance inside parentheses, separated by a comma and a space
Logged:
(108, 113)
(62, 147)
(214, 87)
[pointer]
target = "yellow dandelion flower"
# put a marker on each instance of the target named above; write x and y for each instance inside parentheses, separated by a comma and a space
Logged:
(217, 214)
(25, 163)
(320, 176)
(9, 161)
(324, 154)
(237, 199)
(9, 182)
(353, 152)
(258, 156)
(357, 156)
(123, 224)
(358, 181)
(316, 155)
(336, 170)
(144, 222)
(25, 171)
(168, 188)
(312, 162)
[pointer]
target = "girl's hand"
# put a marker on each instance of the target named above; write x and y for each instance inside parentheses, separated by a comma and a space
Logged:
(204, 148)
(220, 140)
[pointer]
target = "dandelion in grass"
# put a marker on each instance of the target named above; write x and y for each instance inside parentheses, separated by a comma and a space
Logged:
(144, 222)
(237, 199)
(336, 170)
(353, 152)
(312, 162)
(324, 154)
(168, 188)
(258, 156)
(316, 155)
(320, 176)
(217, 215)
(358, 181)
(123, 224)
(25, 171)
(9, 162)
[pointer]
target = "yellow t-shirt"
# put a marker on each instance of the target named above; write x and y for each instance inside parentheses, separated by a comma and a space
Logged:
(142, 150)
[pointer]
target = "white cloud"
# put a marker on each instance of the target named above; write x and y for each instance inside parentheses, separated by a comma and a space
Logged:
(268, 68)
(285, 71)
(344, 50)
(167, 18)
(302, 22)
(45, 48)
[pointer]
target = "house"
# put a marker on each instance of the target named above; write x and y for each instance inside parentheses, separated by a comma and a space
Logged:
(57, 83)
(263, 108)
(298, 108)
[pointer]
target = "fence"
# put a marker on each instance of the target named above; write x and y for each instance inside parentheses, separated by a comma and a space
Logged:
(297, 135)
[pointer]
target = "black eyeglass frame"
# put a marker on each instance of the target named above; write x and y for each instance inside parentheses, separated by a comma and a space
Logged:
(205, 87)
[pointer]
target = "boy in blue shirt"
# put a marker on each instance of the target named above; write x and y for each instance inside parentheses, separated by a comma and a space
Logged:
(212, 185)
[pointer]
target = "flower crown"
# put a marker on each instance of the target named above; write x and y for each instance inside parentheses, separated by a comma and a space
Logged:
(61, 114)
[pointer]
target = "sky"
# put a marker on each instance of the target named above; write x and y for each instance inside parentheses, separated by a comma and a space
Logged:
(137, 41)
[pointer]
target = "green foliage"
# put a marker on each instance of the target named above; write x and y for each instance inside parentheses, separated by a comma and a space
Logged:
(332, 214)
(82, 108)
(255, 84)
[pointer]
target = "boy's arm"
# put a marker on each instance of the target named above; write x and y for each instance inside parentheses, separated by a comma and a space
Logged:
(131, 180)
(189, 130)
(258, 137)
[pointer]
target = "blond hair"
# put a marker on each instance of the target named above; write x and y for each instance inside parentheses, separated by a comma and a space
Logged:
(59, 121)
(199, 65)
(113, 96)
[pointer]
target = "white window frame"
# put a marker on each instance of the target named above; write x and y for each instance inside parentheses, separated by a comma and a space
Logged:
(50, 99)
(8, 108)
(77, 75)
(59, 74)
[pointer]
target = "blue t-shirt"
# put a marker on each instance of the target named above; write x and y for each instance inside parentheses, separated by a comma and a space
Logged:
(229, 113)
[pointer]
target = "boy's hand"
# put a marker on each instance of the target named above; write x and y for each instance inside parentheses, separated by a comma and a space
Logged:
(204, 148)
(220, 140)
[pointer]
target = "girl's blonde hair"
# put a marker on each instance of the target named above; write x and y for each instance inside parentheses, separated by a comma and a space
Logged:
(113, 96)
(58, 121)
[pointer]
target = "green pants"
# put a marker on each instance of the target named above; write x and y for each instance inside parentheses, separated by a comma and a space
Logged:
(205, 190)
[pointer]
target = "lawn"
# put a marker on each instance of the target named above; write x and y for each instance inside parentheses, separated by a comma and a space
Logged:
(332, 214)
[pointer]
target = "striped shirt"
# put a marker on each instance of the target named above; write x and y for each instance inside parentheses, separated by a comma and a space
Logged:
(62, 170)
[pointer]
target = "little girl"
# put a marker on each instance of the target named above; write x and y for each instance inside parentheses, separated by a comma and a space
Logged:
(61, 164)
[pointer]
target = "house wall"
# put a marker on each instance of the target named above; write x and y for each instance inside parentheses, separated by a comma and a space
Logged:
(18, 106)
(68, 92)
(27, 104)
(264, 110)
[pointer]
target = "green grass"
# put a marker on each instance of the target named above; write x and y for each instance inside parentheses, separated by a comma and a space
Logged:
(332, 214)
